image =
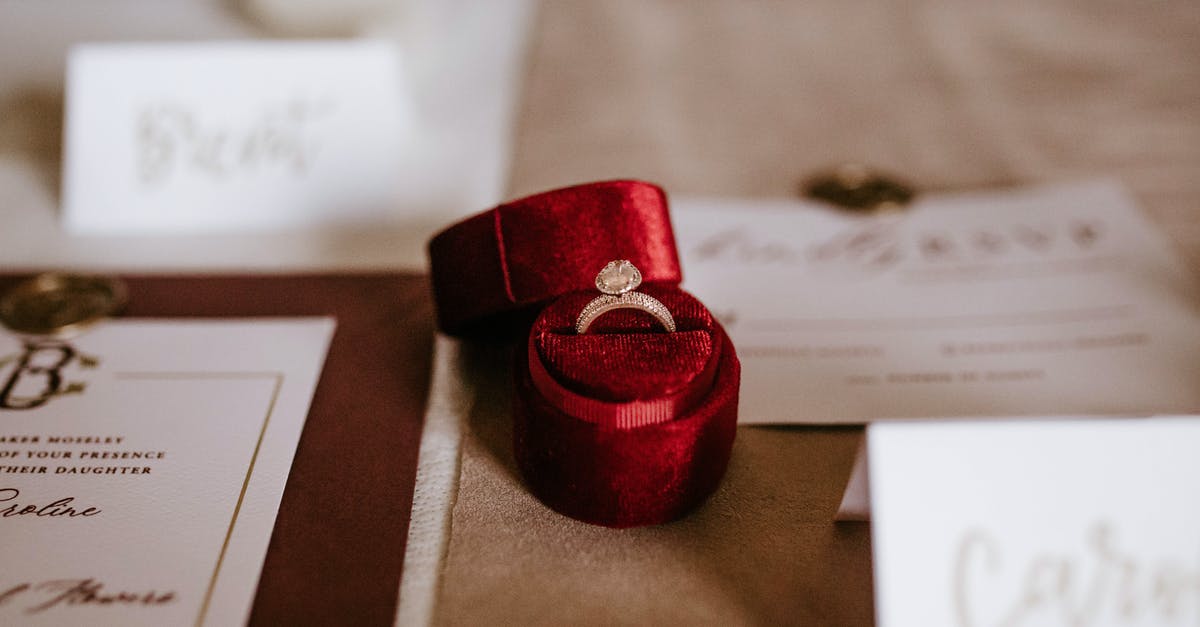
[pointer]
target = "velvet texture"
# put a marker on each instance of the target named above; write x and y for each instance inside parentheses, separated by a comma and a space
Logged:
(602, 467)
(627, 424)
(491, 267)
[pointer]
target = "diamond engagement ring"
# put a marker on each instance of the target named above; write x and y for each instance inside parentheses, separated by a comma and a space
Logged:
(617, 281)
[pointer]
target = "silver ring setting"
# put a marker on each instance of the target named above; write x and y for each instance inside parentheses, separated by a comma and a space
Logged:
(617, 282)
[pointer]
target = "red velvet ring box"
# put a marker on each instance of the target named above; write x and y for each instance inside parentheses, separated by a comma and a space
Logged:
(624, 425)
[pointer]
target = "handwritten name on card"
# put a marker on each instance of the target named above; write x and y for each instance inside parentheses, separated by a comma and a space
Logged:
(1096, 580)
(232, 136)
(1062, 522)
(174, 141)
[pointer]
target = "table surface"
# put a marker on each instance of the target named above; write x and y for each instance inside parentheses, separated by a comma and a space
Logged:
(744, 99)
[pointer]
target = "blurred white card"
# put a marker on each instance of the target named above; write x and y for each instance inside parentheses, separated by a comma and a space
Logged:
(1061, 522)
(202, 137)
(1058, 300)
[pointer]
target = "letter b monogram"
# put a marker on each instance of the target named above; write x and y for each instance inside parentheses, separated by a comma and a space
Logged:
(37, 377)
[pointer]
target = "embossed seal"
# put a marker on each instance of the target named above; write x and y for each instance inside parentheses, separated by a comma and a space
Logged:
(60, 305)
(855, 187)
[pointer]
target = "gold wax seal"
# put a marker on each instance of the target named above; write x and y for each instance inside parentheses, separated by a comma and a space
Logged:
(855, 187)
(60, 305)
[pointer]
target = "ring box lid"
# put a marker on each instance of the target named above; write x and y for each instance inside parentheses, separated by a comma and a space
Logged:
(505, 263)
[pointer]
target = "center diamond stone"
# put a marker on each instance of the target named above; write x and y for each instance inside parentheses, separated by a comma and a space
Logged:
(618, 277)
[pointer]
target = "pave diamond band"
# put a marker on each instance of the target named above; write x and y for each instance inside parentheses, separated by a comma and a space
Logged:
(617, 280)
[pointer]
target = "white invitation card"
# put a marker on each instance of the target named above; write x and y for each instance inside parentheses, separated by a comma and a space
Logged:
(228, 136)
(1055, 300)
(142, 466)
(1057, 522)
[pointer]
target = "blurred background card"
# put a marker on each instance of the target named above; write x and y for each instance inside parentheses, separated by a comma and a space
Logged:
(1035, 301)
(232, 136)
(462, 67)
(1063, 522)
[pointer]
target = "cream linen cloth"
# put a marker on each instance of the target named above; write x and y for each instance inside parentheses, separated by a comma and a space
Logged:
(744, 98)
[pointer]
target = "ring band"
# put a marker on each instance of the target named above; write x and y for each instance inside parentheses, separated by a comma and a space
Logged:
(617, 281)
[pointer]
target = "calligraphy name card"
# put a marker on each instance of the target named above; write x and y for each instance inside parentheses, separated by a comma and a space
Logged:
(1063, 522)
(232, 136)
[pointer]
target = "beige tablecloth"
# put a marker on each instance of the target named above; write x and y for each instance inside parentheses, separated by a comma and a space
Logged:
(744, 99)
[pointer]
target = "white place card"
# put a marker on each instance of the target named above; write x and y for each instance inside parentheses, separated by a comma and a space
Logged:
(142, 466)
(195, 137)
(1057, 300)
(1062, 522)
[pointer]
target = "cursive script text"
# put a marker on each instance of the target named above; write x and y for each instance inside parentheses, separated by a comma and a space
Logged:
(1104, 584)
(172, 140)
(9, 507)
(879, 245)
(66, 592)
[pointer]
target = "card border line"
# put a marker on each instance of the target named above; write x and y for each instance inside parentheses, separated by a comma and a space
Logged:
(279, 377)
